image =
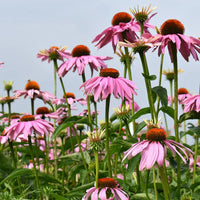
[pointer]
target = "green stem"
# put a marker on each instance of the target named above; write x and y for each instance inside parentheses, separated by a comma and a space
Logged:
(63, 88)
(63, 165)
(195, 158)
(138, 178)
(128, 64)
(164, 181)
(146, 185)
(32, 106)
(54, 75)
(159, 84)
(166, 124)
(96, 118)
(154, 184)
(88, 105)
(97, 166)
(34, 166)
(174, 54)
(148, 84)
(2, 107)
(47, 154)
(36, 151)
(9, 108)
(15, 161)
(107, 135)
(79, 145)
(171, 92)
(141, 28)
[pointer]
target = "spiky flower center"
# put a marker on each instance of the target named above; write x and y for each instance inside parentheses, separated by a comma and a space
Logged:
(156, 134)
(183, 91)
(42, 110)
(107, 182)
(15, 117)
(4, 133)
(53, 54)
(40, 138)
(172, 26)
(54, 48)
(27, 118)
(121, 17)
(141, 17)
(80, 50)
(32, 85)
(114, 73)
(69, 95)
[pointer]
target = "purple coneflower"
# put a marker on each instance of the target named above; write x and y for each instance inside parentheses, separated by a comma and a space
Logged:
(1, 64)
(70, 98)
(109, 83)
(32, 89)
(79, 59)
(172, 32)
(44, 112)
(192, 103)
(153, 149)
(108, 189)
(53, 53)
(25, 127)
(123, 27)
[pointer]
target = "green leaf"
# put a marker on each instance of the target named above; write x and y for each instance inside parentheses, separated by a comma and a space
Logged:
(113, 117)
(149, 77)
(74, 170)
(72, 141)
(6, 164)
(57, 197)
(162, 94)
(139, 113)
(132, 164)
(18, 172)
(139, 196)
(47, 178)
(189, 115)
(168, 110)
(139, 127)
(69, 122)
(195, 129)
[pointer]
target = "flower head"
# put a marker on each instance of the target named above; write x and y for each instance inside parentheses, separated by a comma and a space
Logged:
(25, 127)
(44, 112)
(95, 139)
(8, 85)
(191, 103)
(183, 94)
(53, 53)
(139, 46)
(70, 98)
(1, 64)
(122, 56)
(79, 59)
(155, 145)
(32, 89)
(170, 73)
(143, 14)
(109, 83)
(123, 27)
(8, 99)
(172, 33)
(123, 112)
(108, 189)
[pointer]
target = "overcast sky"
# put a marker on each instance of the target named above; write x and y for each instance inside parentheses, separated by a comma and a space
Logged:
(29, 26)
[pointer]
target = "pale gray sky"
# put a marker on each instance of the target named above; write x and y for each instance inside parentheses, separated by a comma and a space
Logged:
(29, 26)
